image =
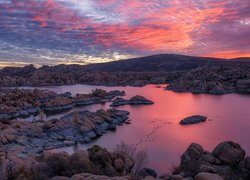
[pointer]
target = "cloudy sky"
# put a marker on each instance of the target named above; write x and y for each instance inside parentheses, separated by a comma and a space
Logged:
(90, 31)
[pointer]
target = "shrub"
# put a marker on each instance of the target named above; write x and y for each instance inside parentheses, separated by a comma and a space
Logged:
(61, 164)
(125, 148)
(58, 165)
(140, 157)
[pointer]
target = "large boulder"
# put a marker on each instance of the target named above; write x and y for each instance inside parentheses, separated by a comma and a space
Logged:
(227, 160)
(229, 152)
(189, 159)
(207, 176)
(247, 162)
(99, 155)
(128, 162)
(119, 164)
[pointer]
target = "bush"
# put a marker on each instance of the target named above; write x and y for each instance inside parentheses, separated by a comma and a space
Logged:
(58, 165)
(25, 174)
(99, 155)
(62, 164)
(125, 148)
(140, 157)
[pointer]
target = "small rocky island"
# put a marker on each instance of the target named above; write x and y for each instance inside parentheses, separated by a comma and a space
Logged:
(193, 120)
(136, 100)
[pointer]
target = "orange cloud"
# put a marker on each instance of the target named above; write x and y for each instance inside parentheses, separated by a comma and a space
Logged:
(138, 27)
(229, 54)
(174, 27)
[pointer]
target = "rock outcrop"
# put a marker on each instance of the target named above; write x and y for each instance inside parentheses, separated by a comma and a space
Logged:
(25, 102)
(215, 80)
(227, 161)
(70, 130)
(136, 100)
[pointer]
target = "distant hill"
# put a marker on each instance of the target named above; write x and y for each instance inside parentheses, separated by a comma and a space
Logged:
(160, 62)
(154, 63)
(182, 73)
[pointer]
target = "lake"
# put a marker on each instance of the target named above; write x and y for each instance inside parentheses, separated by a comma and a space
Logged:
(155, 128)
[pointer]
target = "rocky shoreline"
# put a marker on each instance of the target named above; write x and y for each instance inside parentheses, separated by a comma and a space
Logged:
(24, 102)
(182, 73)
(228, 161)
(216, 80)
(71, 129)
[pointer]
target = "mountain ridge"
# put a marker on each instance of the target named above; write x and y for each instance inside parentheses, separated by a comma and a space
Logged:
(152, 63)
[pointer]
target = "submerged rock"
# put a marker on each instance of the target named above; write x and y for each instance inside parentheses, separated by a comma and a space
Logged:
(193, 120)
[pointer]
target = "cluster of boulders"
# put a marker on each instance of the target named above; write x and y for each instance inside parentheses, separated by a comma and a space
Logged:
(70, 130)
(227, 161)
(25, 102)
(136, 100)
(216, 80)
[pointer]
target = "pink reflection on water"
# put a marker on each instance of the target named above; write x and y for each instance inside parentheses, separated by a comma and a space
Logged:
(156, 127)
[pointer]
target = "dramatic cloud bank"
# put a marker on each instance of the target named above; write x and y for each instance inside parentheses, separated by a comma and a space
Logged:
(90, 31)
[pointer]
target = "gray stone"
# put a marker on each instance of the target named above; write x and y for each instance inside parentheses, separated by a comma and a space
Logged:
(207, 176)
(229, 152)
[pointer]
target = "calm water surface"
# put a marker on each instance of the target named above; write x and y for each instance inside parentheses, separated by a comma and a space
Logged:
(156, 129)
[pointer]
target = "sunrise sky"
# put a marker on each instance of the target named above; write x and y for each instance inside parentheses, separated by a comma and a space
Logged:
(90, 31)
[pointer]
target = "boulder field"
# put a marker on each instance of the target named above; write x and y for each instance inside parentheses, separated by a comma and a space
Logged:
(228, 161)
